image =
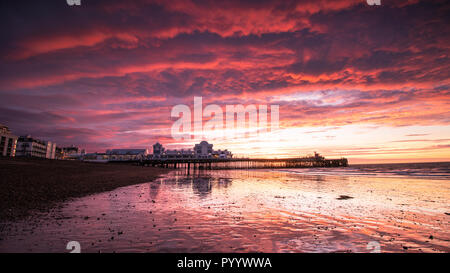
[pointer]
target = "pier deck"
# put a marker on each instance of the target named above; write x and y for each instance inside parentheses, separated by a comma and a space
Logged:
(243, 163)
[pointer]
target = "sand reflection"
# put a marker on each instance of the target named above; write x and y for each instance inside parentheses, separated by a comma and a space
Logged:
(242, 211)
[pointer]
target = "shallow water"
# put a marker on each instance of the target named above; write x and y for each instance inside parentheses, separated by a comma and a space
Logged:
(248, 211)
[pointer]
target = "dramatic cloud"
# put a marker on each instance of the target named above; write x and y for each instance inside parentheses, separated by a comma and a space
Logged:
(107, 73)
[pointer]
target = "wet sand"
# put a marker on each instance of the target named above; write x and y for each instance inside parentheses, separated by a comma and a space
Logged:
(39, 184)
(247, 211)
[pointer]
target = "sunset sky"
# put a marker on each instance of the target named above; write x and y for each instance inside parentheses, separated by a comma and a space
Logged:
(370, 83)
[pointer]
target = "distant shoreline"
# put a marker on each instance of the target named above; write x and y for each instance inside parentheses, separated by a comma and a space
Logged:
(28, 184)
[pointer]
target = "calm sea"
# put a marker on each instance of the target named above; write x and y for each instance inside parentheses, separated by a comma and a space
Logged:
(435, 170)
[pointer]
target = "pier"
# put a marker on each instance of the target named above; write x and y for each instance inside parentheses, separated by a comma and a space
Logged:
(243, 163)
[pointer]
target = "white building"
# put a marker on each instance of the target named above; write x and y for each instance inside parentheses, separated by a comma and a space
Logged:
(51, 150)
(188, 153)
(71, 150)
(201, 150)
(31, 147)
(28, 146)
(96, 157)
(222, 154)
(126, 154)
(8, 142)
(158, 150)
(70, 153)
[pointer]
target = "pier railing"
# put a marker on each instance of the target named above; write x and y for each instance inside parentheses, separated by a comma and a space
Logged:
(243, 163)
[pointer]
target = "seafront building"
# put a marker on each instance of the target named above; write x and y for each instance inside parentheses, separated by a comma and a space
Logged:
(201, 150)
(28, 146)
(31, 147)
(71, 150)
(95, 157)
(71, 153)
(51, 150)
(160, 152)
(126, 154)
(59, 154)
(8, 142)
(116, 155)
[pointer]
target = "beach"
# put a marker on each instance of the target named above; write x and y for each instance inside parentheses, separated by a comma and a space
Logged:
(39, 184)
(366, 209)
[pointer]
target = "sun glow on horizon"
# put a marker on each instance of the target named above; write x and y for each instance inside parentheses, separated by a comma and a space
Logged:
(358, 143)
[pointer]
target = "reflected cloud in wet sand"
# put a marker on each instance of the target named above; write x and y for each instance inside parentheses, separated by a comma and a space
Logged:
(247, 211)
